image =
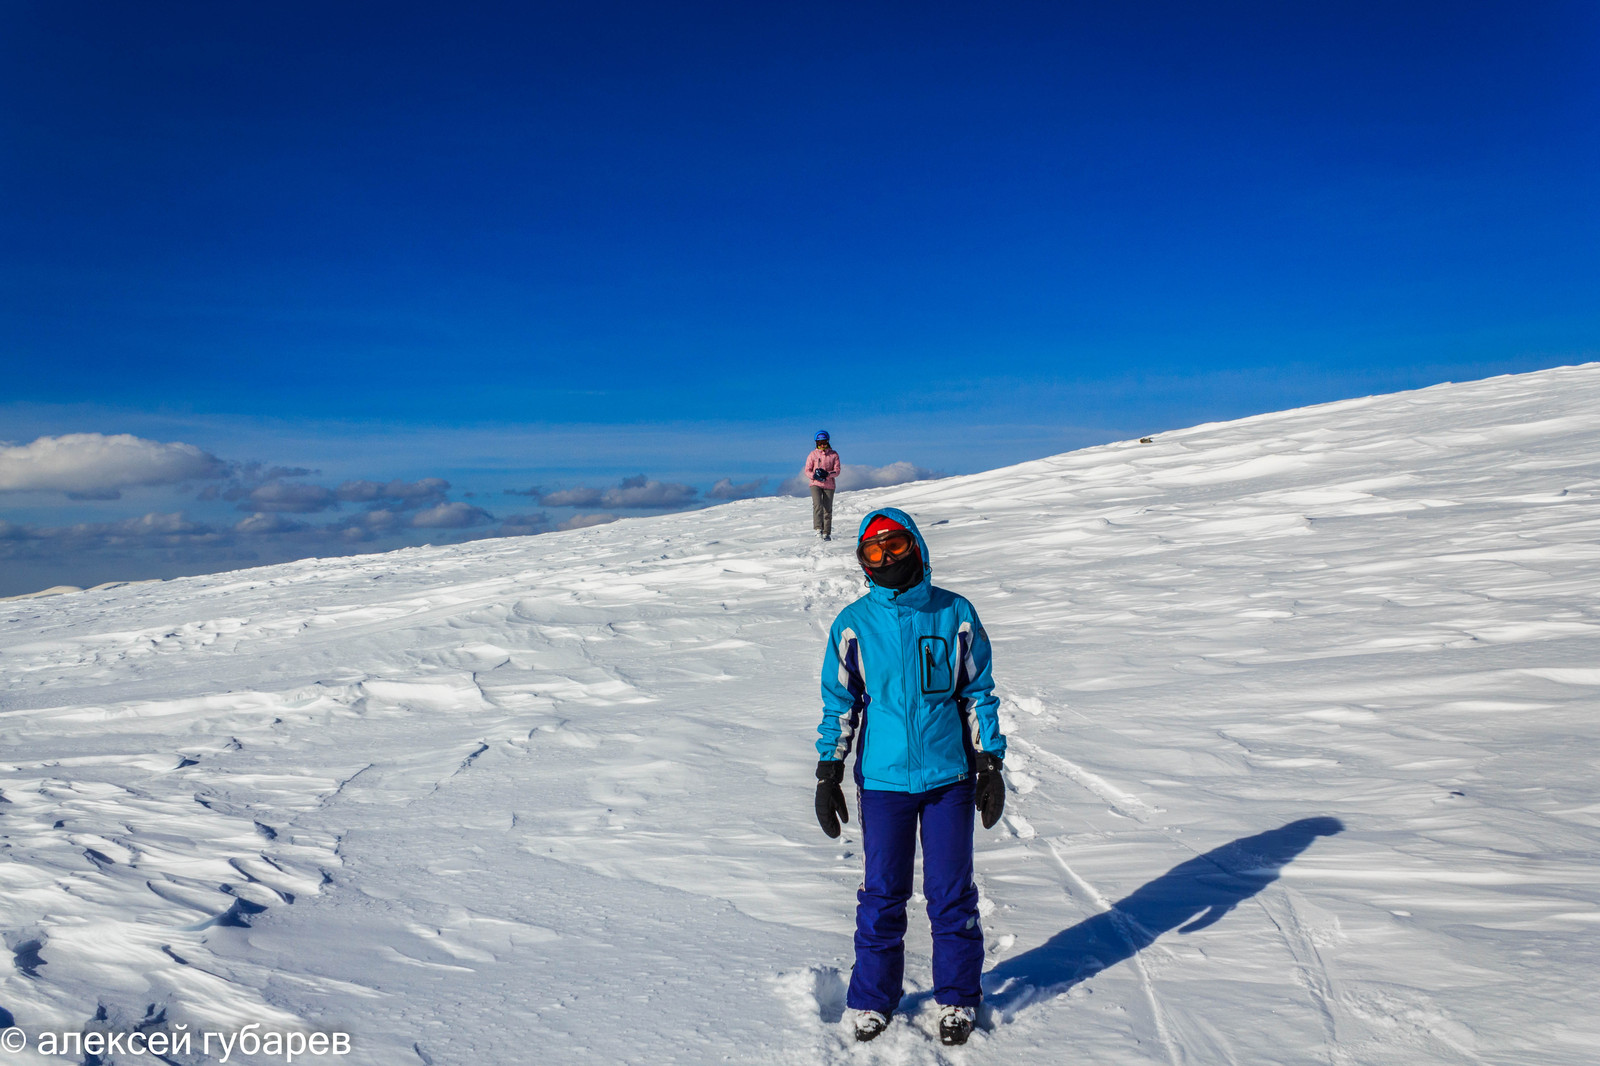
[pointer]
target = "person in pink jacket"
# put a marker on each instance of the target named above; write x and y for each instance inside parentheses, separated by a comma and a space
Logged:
(822, 473)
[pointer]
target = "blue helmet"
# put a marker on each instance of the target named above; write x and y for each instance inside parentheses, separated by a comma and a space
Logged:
(822, 435)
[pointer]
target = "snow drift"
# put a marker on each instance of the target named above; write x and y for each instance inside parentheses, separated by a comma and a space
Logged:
(1303, 721)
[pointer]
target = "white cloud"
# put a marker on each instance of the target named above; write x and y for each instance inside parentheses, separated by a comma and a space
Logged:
(854, 476)
(287, 497)
(261, 525)
(162, 525)
(640, 492)
(579, 521)
(727, 490)
(412, 493)
(98, 466)
(878, 477)
(34, 557)
(455, 515)
(633, 493)
(170, 530)
(366, 526)
(522, 525)
(579, 497)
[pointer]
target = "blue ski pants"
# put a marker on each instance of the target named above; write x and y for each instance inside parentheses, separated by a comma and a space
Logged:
(889, 830)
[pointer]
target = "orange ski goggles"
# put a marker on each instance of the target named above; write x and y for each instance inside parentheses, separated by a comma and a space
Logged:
(877, 552)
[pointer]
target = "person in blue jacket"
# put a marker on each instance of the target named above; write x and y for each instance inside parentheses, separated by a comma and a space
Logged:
(906, 683)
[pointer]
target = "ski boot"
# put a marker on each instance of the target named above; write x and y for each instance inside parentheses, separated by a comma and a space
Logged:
(869, 1023)
(955, 1024)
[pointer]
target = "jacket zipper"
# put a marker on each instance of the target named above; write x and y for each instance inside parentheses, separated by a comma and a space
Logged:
(913, 733)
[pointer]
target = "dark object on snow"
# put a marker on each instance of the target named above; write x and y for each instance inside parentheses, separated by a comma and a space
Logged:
(869, 1023)
(830, 798)
(1147, 440)
(990, 794)
(955, 1025)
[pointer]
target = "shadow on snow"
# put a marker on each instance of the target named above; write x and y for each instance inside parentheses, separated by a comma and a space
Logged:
(1188, 897)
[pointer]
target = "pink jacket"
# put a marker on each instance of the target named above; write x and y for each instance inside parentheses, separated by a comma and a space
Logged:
(826, 461)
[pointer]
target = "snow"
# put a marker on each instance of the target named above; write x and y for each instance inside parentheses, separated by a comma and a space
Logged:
(1303, 715)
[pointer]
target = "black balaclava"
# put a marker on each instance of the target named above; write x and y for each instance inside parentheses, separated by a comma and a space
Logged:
(900, 574)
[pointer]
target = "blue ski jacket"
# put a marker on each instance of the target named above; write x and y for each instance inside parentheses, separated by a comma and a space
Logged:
(906, 682)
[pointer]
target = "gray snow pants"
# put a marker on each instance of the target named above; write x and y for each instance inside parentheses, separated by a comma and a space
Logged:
(822, 510)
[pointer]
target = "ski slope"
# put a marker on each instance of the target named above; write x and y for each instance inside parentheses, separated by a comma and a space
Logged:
(1304, 715)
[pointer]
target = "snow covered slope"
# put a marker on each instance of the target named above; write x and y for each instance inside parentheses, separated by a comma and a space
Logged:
(1304, 713)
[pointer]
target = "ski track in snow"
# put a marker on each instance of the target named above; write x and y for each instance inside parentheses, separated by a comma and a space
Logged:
(1303, 723)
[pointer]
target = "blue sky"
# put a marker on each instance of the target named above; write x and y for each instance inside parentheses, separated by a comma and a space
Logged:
(556, 245)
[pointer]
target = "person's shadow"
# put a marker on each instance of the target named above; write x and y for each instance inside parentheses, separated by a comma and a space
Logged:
(1190, 896)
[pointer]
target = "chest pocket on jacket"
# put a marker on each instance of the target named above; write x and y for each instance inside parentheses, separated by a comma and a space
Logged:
(934, 652)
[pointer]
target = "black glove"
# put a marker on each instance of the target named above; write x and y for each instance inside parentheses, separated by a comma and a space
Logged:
(830, 797)
(989, 794)
(819, 474)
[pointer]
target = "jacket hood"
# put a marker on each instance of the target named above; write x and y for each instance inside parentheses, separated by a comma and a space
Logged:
(920, 589)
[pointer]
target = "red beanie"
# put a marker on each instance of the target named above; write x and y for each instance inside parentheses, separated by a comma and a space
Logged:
(881, 524)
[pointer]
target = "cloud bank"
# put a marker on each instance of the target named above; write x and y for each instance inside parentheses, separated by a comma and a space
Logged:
(159, 530)
(643, 493)
(524, 525)
(582, 521)
(579, 497)
(633, 493)
(455, 515)
(286, 515)
(97, 466)
(727, 490)
(406, 494)
(285, 497)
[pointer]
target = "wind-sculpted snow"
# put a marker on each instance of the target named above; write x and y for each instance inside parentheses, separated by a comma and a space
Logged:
(1303, 711)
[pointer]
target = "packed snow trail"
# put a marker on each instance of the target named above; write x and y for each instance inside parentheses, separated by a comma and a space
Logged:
(1303, 720)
